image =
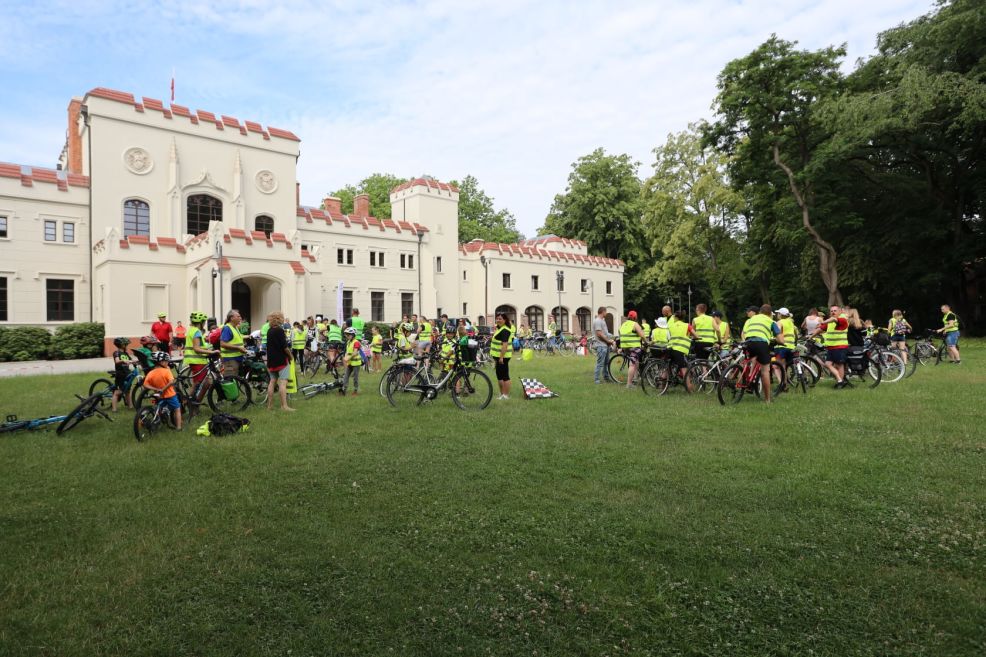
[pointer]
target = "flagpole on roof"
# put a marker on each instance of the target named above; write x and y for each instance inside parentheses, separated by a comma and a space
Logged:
(172, 84)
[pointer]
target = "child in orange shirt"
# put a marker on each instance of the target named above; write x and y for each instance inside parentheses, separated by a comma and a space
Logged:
(160, 379)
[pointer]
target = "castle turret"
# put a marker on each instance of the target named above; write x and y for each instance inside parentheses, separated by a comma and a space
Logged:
(435, 206)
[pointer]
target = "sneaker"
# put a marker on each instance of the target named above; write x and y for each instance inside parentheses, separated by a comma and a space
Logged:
(598, 382)
(840, 384)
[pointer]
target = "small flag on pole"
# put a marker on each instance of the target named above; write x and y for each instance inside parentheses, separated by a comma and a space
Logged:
(172, 85)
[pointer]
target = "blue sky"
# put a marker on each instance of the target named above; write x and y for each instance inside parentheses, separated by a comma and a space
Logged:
(511, 92)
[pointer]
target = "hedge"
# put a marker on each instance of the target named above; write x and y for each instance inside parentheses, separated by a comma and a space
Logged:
(20, 343)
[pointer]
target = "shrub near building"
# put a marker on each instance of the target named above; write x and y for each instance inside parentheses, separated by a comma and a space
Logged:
(83, 340)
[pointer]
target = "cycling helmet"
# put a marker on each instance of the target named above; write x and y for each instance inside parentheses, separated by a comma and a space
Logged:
(407, 326)
(121, 342)
(147, 340)
(450, 328)
(160, 357)
(350, 331)
(197, 317)
(716, 313)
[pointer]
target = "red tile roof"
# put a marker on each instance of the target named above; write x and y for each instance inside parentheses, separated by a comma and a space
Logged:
(351, 221)
(298, 268)
(532, 251)
(201, 115)
(29, 175)
(425, 182)
(547, 239)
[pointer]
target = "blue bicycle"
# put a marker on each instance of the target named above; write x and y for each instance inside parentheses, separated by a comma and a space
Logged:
(106, 387)
(13, 423)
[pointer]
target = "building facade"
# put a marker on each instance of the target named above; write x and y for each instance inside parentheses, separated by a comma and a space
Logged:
(157, 208)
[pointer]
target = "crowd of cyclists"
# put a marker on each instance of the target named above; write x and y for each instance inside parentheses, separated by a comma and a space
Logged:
(767, 336)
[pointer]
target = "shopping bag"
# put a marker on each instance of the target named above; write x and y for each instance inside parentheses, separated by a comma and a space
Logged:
(527, 354)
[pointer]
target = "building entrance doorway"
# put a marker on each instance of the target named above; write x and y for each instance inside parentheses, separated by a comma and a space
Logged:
(255, 297)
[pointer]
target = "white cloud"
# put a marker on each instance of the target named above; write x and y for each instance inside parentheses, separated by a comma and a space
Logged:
(512, 92)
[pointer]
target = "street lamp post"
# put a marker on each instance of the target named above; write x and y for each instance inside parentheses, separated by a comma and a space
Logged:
(486, 287)
(219, 267)
(560, 276)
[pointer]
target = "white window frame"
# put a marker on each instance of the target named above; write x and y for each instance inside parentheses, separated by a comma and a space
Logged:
(143, 301)
(64, 225)
(44, 232)
(6, 225)
(348, 256)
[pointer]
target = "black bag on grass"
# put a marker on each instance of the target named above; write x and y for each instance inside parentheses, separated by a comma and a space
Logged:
(224, 424)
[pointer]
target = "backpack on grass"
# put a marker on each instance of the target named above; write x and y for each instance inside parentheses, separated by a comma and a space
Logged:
(224, 424)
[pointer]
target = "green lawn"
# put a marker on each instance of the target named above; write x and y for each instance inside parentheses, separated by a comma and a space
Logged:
(603, 522)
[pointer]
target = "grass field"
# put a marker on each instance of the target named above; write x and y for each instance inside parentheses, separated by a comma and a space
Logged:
(603, 522)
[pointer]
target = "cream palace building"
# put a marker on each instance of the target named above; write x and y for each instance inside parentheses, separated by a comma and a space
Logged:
(156, 208)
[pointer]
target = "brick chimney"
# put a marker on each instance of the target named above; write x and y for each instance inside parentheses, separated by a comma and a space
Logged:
(74, 139)
(332, 205)
(361, 205)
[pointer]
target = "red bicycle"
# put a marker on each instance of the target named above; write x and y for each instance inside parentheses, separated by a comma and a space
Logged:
(744, 376)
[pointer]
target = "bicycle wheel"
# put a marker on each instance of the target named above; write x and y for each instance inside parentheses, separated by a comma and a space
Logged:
(104, 388)
(88, 407)
(617, 368)
(729, 390)
(778, 380)
(383, 381)
(220, 403)
(892, 366)
(398, 393)
(924, 352)
(471, 390)
(811, 370)
(910, 364)
(698, 377)
(258, 387)
(655, 378)
(871, 369)
(146, 423)
(312, 365)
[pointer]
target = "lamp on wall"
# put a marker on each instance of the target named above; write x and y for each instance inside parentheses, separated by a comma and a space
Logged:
(486, 286)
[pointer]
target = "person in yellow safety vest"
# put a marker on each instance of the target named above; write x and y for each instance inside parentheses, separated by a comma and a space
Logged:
(659, 336)
(950, 329)
(836, 331)
(353, 360)
(722, 326)
(705, 331)
(405, 344)
(335, 340)
(632, 337)
(196, 354)
(299, 336)
(501, 349)
(787, 341)
(758, 331)
(679, 339)
(448, 348)
(231, 346)
(898, 329)
(645, 326)
(376, 350)
(424, 336)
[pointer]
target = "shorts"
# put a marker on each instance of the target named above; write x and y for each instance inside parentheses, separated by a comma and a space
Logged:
(198, 372)
(634, 354)
(120, 379)
(678, 359)
(502, 370)
(702, 349)
(759, 350)
(899, 337)
(171, 402)
(282, 374)
(952, 338)
(425, 345)
(837, 355)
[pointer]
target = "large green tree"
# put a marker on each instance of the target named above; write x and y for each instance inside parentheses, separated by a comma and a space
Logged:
(691, 217)
(767, 122)
(377, 186)
(479, 218)
(601, 206)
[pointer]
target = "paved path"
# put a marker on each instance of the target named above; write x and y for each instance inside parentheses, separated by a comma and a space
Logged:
(32, 367)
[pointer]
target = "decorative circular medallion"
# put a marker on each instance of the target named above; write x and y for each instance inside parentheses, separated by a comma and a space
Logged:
(266, 182)
(138, 160)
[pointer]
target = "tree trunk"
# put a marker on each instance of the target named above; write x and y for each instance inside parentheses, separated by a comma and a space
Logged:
(826, 252)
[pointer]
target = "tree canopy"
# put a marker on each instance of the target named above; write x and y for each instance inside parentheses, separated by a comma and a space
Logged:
(479, 219)
(377, 186)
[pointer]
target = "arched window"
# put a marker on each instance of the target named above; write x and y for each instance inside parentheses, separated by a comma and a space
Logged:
(507, 311)
(583, 317)
(264, 224)
(535, 318)
(136, 217)
(200, 210)
(561, 318)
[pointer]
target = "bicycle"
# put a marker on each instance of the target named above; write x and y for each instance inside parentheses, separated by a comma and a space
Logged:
(703, 374)
(798, 377)
(660, 375)
(223, 394)
(309, 390)
(106, 387)
(88, 407)
(744, 376)
(471, 389)
(13, 424)
(256, 375)
(925, 351)
(314, 362)
(891, 364)
(150, 419)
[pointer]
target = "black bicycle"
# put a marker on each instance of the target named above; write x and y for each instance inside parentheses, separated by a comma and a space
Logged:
(471, 389)
(150, 419)
(87, 407)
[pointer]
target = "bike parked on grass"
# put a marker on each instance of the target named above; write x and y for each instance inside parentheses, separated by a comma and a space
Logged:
(471, 389)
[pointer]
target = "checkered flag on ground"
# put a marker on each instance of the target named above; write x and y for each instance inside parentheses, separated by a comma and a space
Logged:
(534, 389)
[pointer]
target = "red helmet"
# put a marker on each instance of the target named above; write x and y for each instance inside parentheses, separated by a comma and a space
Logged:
(632, 314)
